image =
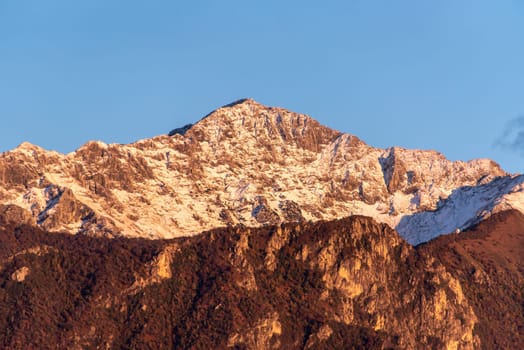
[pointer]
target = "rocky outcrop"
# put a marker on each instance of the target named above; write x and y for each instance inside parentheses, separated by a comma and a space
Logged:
(291, 211)
(61, 207)
(262, 213)
(395, 175)
(20, 274)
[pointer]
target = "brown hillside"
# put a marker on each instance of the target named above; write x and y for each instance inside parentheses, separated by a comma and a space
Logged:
(489, 262)
(351, 284)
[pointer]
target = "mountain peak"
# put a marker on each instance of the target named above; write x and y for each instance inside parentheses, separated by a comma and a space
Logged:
(240, 102)
(247, 163)
(28, 149)
(249, 119)
(28, 146)
(245, 106)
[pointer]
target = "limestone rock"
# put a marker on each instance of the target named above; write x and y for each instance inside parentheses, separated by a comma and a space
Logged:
(20, 274)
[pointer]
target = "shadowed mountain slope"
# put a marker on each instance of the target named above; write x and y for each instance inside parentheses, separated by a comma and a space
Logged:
(489, 262)
(351, 283)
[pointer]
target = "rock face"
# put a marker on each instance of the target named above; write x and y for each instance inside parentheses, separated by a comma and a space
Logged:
(350, 283)
(249, 164)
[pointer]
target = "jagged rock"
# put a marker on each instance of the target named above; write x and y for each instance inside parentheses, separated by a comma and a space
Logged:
(210, 173)
(290, 211)
(98, 226)
(395, 175)
(262, 213)
(62, 207)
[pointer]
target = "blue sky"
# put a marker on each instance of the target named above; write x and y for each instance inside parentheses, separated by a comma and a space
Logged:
(445, 75)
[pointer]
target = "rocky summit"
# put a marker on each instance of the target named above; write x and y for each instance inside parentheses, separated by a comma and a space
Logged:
(258, 228)
(253, 165)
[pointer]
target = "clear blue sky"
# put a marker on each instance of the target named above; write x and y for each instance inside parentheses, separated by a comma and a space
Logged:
(445, 75)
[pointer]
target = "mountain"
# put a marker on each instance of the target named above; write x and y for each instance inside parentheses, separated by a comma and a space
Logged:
(258, 228)
(345, 284)
(351, 282)
(249, 164)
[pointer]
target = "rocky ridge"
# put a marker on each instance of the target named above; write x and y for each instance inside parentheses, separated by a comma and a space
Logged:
(249, 164)
(350, 283)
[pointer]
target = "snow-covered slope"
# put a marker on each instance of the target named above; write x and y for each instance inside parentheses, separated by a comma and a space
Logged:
(249, 164)
(465, 207)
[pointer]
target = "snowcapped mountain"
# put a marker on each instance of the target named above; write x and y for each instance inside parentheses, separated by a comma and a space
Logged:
(249, 164)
